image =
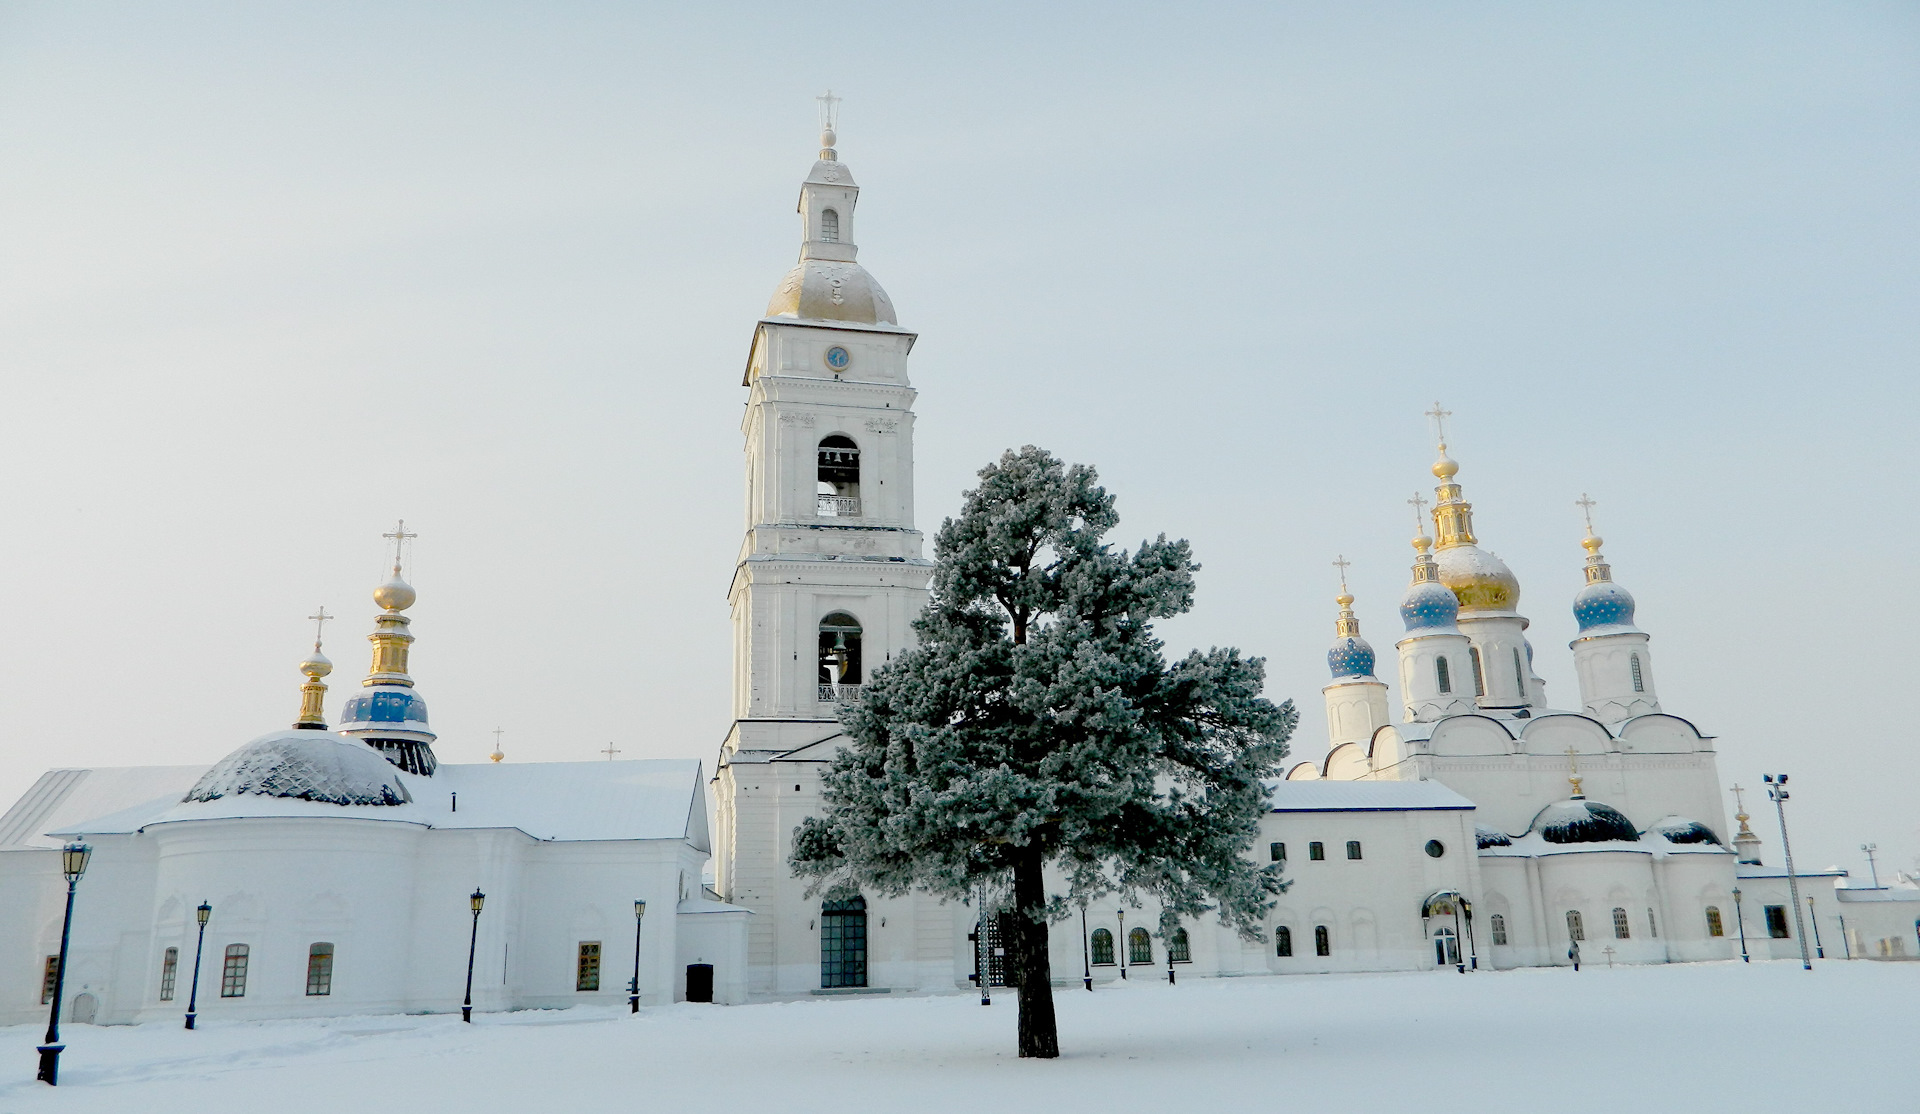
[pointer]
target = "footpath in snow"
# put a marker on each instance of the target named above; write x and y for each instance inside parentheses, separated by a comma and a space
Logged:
(1650, 1040)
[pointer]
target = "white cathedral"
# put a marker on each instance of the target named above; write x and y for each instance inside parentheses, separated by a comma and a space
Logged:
(346, 870)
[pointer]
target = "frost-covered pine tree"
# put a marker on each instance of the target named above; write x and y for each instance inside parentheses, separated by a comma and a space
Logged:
(1038, 723)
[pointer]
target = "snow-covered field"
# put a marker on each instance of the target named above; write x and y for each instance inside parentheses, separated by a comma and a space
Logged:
(1694, 1038)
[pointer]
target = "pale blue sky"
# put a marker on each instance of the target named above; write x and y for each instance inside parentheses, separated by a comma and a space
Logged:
(274, 275)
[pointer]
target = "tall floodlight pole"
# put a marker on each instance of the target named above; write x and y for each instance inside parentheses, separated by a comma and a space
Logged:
(639, 913)
(1870, 848)
(193, 991)
(1741, 920)
(477, 900)
(73, 863)
(1777, 793)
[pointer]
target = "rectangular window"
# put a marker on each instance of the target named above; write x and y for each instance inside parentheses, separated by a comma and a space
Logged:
(52, 976)
(1316, 851)
(588, 975)
(1499, 929)
(320, 970)
(233, 976)
(1653, 927)
(1777, 922)
(1277, 852)
(169, 969)
(1715, 927)
(1353, 849)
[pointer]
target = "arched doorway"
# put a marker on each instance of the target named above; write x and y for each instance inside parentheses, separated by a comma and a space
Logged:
(1448, 916)
(843, 942)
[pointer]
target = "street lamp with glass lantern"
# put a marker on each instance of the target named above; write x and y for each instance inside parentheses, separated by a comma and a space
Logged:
(476, 901)
(73, 863)
(193, 991)
(1741, 920)
(1777, 793)
(639, 912)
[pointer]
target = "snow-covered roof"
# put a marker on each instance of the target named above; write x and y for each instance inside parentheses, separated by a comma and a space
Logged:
(647, 799)
(1361, 796)
(62, 798)
(308, 765)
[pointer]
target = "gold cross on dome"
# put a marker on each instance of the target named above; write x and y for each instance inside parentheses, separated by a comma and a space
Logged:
(1340, 562)
(1586, 505)
(1419, 505)
(829, 109)
(1440, 417)
(1739, 800)
(400, 537)
(319, 618)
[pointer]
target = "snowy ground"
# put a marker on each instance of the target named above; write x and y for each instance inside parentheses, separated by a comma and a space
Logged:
(1689, 1038)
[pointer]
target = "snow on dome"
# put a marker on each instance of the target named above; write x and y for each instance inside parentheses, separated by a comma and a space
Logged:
(306, 766)
(1350, 657)
(1604, 604)
(1429, 607)
(1679, 829)
(1480, 580)
(1486, 837)
(830, 290)
(1582, 821)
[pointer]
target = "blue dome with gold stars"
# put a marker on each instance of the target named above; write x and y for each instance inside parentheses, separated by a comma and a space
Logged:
(1429, 606)
(1350, 657)
(1603, 604)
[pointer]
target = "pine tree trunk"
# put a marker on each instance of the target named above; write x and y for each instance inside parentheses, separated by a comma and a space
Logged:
(1038, 1035)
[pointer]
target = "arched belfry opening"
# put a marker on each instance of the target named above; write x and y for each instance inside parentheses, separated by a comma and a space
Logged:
(840, 668)
(839, 479)
(829, 226)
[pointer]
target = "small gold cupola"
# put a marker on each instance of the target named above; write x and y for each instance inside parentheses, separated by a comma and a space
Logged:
(388, 714)
(1478, 579)
(313, 693)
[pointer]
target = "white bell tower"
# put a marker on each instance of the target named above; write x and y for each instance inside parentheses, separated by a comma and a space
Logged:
(830, 575)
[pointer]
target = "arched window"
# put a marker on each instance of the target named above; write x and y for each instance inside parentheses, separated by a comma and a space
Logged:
(1620, 931)
(1519, 675)
(1639, 680)
(1714, 925)
(169, 971)
(1443, 675)
(1178, 950)
(319, 970)
(1317, 851)
(233, 976)
(829, 226)
(840, 670)
(1322, 944)
(1102, 948)
(1139, 947)
(1353, 849)
(1479, 675)
(843, 942)
(1576, 928)
(837, 486)
(1499, 925)
(1283, 942)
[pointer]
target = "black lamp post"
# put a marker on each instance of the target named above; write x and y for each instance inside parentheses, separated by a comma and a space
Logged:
(1170, 979)
(1086, 957)
(193, 990)
(1126, 948)
(1741, 920)
(477, 900)
(1473, 951)
(73, 863)
(1819, 949)
(1777, 793)
(639, 912)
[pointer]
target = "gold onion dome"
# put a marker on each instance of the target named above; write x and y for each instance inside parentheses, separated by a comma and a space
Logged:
(396, 594)
(1480, 580)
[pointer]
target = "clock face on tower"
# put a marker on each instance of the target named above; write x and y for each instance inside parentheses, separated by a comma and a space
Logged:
(837, 358)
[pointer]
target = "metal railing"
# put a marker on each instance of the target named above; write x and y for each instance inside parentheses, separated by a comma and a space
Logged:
(839, 694)
(837, 506)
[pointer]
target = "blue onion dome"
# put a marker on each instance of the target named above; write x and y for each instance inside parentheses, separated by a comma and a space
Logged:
(1428, 608)
(1603, 604)
(1679, 829)
(1350, 657)
(383, 710)
(306, 766)
(1579, 820)
(1487, 837)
